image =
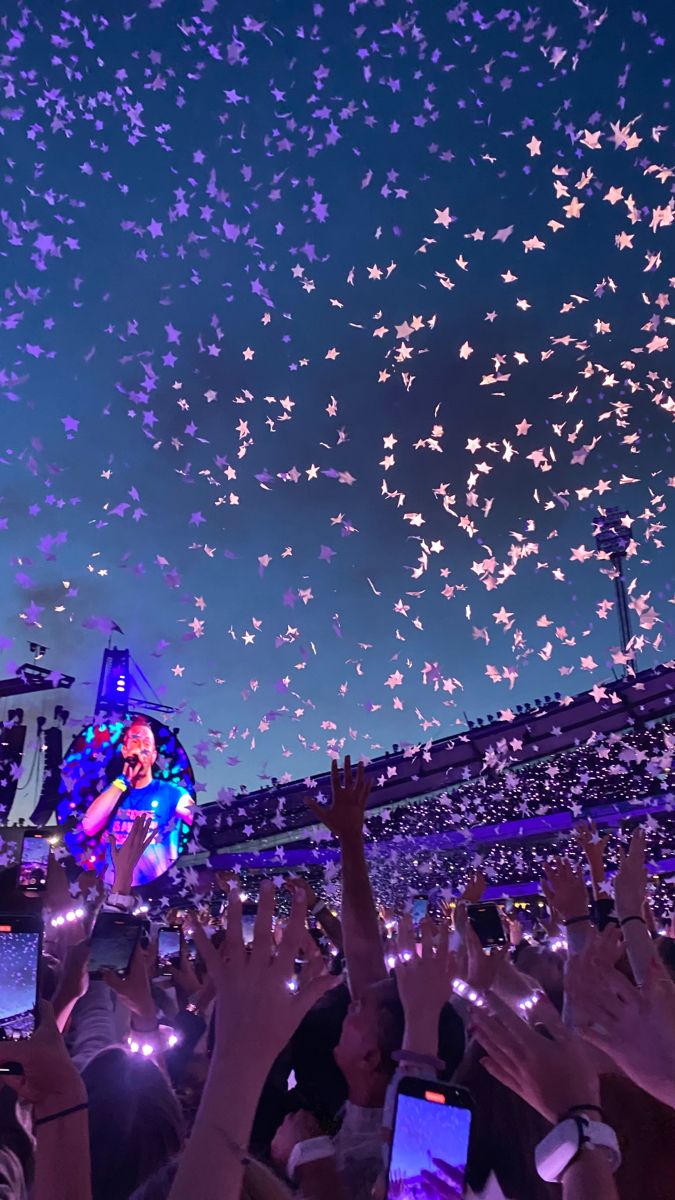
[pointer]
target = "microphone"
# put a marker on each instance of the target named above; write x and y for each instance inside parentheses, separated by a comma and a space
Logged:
(132, 760)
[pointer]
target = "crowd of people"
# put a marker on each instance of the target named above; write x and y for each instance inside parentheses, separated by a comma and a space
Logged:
(270, 1056)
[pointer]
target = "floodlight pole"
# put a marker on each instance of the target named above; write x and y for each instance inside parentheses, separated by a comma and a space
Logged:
(612, 536)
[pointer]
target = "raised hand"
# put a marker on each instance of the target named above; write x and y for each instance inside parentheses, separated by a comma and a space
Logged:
(423, 982)
(134, 991)
(295, 883)
(635, 1027)
(593, 846)
(474, 887)
(50, 1081)
(552, 1073)
(480, 969)
(127, 855)
(346, 813)
(564, 889)
(259, 1000)
(630, 882)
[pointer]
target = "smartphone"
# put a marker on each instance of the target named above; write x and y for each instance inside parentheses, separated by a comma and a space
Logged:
(20, 957)
(249, 911)
(34, 862)
(168, 946)
(487, 923)
(217, 905)
(113, 942)
(420, 908)
(430, 1139)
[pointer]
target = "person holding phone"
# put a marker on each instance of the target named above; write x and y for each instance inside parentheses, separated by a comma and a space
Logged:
(136, 792)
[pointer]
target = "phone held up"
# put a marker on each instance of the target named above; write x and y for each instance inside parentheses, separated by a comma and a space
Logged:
(430, 1139)
(168, 948)
(488, 925)
(20, 957)
(113, 941)
(34, 861)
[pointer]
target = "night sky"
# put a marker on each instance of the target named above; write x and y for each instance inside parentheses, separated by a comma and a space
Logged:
(325, 330)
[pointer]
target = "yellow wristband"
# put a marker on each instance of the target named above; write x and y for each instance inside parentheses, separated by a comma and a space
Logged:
(120, 783)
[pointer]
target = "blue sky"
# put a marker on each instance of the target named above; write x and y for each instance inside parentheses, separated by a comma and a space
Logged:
(308, 312)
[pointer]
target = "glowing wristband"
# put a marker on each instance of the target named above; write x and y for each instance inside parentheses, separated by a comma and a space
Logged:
(146, 1044)
(63, 918)
(120, 783)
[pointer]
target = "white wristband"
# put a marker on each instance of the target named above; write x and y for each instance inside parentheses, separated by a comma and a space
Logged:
(121, 900)
(310, 1151)
(318, 908)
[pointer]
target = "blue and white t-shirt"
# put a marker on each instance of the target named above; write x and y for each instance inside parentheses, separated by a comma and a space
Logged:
(160, 800)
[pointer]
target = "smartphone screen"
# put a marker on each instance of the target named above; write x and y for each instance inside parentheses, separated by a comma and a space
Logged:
(487, 923)
(168, 946)
(34, 862)
(420, 906)
(430, 1140)
(247, 928)
(113, 942)
(20, 954)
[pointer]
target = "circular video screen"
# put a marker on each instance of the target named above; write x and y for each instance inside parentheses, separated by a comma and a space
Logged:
(119, 770)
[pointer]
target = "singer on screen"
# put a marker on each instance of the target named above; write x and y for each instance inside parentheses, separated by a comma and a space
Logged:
(136, 792)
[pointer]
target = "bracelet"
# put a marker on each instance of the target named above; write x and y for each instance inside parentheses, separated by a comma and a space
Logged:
(65, 1112)
(120, 783)
(309, 1151)
(318, 908)
(635, 918)
(575, 921)
(420, 1060)
(582, 1108)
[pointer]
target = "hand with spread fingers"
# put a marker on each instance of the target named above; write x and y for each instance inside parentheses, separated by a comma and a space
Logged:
(260, 1002)
(545, 1064)
(127, 855)
(593, 845)
(565, 891)
(423, 982)
(634, 1027)
(345, 815)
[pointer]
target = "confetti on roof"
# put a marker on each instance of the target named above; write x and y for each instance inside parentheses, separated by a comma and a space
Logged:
(325, 333)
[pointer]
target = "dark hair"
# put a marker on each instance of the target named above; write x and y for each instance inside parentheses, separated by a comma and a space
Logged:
(504, 1133)
(135, 1122)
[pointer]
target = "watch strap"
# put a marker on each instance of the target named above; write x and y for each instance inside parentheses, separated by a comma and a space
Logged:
(563, 1145)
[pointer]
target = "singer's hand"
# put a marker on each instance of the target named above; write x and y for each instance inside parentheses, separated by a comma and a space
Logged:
(133, 771)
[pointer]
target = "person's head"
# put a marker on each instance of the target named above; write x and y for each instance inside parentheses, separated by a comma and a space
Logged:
(371, 1032)
(135, 1122)
(140, 740)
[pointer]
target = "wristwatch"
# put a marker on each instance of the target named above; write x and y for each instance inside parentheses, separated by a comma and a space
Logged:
(309, 1151)
(563, 1145)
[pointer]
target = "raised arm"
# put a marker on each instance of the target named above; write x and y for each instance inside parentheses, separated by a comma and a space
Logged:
(629, 897)
(555, 1075)
(364, 953)
(53, 1086)
(259, 1005)
(593, 846)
